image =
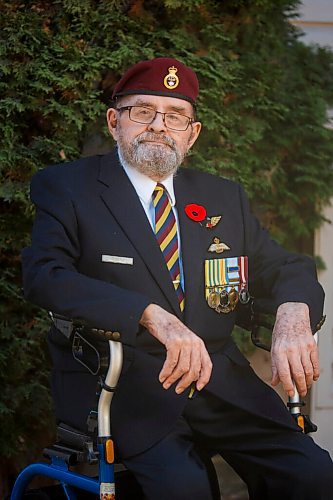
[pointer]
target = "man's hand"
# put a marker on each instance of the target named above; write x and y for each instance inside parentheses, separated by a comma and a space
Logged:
(187, 359)
(294, 350)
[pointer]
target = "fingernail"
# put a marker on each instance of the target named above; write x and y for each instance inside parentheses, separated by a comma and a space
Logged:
(166, 386)
(179, 390)
(200, 386)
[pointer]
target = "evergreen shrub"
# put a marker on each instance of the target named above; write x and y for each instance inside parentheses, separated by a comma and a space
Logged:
(264, 96)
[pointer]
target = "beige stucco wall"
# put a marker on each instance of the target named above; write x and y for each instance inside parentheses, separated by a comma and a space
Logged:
(322, 393)
(316, 22)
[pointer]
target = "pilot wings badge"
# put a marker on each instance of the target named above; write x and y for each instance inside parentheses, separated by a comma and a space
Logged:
(218, 246)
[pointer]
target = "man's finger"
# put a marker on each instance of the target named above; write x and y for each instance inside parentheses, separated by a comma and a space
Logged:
(275, 377)
(284, 375)
(170, 363)
(315, 363)
(192, 373)
(206, 371)
(308, 369)
(182, 367)
(298, 374)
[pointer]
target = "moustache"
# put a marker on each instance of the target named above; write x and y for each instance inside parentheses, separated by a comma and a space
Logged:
(151, 137)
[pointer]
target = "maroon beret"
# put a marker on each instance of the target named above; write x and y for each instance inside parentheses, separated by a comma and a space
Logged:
(161, 76)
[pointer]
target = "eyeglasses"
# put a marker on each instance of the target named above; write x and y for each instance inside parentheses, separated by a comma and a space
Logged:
(173, 121)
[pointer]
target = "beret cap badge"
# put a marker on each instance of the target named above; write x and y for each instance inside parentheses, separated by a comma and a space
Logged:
(162, 76)
(171, 80)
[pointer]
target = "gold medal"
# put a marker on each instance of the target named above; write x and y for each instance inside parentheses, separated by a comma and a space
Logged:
(171, 81)
(224, 309)
(233, 298)
(213, 300)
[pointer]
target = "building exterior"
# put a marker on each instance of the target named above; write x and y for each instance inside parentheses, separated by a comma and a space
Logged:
(316, 21)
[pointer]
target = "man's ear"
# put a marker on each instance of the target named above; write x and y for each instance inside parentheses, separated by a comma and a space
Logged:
(111, 116)
(196, 128)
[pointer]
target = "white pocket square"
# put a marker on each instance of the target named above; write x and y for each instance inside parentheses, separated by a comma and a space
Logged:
(116, 259)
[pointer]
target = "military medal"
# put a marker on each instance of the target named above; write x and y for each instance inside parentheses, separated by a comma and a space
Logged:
(217, 246)
(226, 304)
(224, 298)
(244, 296)
(213, 300)
(226, 283)
(171, 81)
(233, 298)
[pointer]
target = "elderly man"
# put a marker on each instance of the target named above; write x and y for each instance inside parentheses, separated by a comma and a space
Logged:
(163, 257)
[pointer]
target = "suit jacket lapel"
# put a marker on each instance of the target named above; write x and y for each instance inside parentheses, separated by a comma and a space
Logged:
(121, 199)
(193, 245)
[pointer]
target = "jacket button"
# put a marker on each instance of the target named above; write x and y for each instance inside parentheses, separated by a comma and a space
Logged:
(116, 336)
(108, 335)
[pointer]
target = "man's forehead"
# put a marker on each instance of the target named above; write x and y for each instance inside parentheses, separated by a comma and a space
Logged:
(157, 102)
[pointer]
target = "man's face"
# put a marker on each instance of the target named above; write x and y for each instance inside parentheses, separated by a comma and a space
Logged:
(153, 149)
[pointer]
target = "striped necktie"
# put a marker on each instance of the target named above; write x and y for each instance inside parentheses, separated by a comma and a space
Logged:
(166, 234)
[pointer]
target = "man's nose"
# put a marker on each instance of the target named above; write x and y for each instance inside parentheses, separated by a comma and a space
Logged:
(157, 125)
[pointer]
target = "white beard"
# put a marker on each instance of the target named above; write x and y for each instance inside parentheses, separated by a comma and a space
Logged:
(154, 160)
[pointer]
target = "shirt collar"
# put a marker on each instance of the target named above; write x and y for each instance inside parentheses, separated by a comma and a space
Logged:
(144, 185)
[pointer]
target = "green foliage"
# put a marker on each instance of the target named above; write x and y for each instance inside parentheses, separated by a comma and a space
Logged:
(263, 107)
(24, 371)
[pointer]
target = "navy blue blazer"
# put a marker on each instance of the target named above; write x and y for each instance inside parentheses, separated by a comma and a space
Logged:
(88, 208)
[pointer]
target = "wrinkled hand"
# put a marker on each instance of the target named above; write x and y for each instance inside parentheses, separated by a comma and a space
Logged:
(294, 350)
(187, 359)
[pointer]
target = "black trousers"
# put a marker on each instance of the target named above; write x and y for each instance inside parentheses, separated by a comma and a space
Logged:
(276, 462)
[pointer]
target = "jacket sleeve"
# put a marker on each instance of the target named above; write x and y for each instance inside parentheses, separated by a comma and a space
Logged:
(50, 275)
(277, 276)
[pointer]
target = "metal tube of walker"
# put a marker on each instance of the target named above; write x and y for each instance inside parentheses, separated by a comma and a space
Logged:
(105, 442)
(111, 380)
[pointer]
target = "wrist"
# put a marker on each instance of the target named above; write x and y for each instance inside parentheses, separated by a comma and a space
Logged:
(293, 308)
(148, 315)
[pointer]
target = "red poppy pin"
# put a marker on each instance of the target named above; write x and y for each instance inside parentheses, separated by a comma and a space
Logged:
(195, 212)
(198, 213)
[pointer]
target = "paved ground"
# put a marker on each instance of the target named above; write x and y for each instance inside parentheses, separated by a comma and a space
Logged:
(231, 486)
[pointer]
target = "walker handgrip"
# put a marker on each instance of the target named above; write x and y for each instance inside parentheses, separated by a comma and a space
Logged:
(111, 380)
(295, 405)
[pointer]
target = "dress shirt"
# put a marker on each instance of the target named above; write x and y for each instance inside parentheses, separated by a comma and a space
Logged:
(144, 187)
